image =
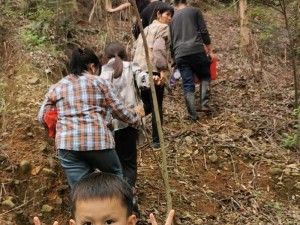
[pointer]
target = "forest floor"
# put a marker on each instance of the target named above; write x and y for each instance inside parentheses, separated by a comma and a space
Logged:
(228, 168)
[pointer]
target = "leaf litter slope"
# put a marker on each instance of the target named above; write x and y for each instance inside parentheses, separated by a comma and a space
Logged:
(228, 168)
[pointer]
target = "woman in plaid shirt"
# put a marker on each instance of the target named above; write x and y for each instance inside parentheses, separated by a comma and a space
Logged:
(85, 103)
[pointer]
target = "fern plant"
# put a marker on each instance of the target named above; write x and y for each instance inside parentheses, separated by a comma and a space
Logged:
(293, 141)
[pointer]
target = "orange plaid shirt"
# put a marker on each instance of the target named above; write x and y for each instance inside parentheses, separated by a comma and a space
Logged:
(84, 105)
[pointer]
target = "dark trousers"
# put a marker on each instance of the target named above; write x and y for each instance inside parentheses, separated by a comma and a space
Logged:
(148, 107)
(190, 65)
(126, 149)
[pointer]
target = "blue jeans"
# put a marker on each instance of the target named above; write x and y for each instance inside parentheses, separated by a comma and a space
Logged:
(78, 164)
(190, 65)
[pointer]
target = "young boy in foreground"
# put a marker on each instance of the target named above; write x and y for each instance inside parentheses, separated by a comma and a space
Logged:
(103, 199)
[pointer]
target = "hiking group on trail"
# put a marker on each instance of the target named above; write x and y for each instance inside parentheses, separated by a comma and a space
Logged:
(99, 108)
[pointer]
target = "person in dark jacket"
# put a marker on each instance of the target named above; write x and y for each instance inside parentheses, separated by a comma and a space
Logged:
(190, 38)
(147, 16)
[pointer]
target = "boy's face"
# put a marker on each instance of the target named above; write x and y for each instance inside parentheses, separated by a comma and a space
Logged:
(102, 212)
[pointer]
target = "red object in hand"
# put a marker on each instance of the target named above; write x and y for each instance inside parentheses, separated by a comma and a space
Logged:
(213, 70)
(196, 79)
(50, 119)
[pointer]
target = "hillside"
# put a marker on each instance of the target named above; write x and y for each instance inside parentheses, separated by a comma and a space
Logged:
(228, 168)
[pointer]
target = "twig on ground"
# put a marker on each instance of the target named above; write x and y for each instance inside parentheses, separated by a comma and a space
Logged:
(204, 158)
(192, 162)
(13, 209)
(250, 141)
(206, 195)
(183, 133)
(237, 203)
(2, 188)
(254, 176)
(234, 169)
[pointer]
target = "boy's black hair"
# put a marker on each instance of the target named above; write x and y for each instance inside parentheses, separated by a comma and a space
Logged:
(100, 185)
(81, 59)
(164, 7)
(178, 2)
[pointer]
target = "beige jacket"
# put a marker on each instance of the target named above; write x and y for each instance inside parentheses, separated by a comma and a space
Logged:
(158, 40)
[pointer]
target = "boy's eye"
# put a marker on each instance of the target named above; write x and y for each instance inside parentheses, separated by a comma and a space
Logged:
(87, 223)
(108, 222)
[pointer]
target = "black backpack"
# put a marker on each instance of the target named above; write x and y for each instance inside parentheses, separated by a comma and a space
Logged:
(135, 30)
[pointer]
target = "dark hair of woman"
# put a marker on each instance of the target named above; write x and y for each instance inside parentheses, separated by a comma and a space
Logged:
(81, 59)
(178, 2)
(116, 50)
(165, 7)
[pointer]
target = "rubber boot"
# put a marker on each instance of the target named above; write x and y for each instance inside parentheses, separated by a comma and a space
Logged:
(205, 95)
(190, 104)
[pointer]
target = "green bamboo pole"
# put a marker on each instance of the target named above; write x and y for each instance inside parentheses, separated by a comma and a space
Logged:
(156, 112)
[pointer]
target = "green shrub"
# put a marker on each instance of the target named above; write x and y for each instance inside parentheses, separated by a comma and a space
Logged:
(293, 140)
(290, 141)
(261, 14)
(37, 33)
(266, 23)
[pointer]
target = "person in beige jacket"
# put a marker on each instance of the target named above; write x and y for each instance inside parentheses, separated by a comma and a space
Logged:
(158, 40)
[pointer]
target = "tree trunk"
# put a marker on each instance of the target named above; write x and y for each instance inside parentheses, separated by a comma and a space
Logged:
(108, 3)
(292, 51)
(244, 33)
(297, 45)
(297, 41)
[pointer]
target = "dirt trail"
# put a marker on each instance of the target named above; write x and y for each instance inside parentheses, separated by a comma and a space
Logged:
(228, 168)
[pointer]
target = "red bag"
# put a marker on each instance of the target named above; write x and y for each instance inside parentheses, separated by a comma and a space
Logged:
(50, 119)
(213, 70)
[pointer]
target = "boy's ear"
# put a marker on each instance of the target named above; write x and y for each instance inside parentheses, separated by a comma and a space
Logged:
(131, 220)
(72, 222)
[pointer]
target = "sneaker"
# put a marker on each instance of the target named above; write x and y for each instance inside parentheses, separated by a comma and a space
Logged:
(189, 118)
(156, 145)
(205, 108)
